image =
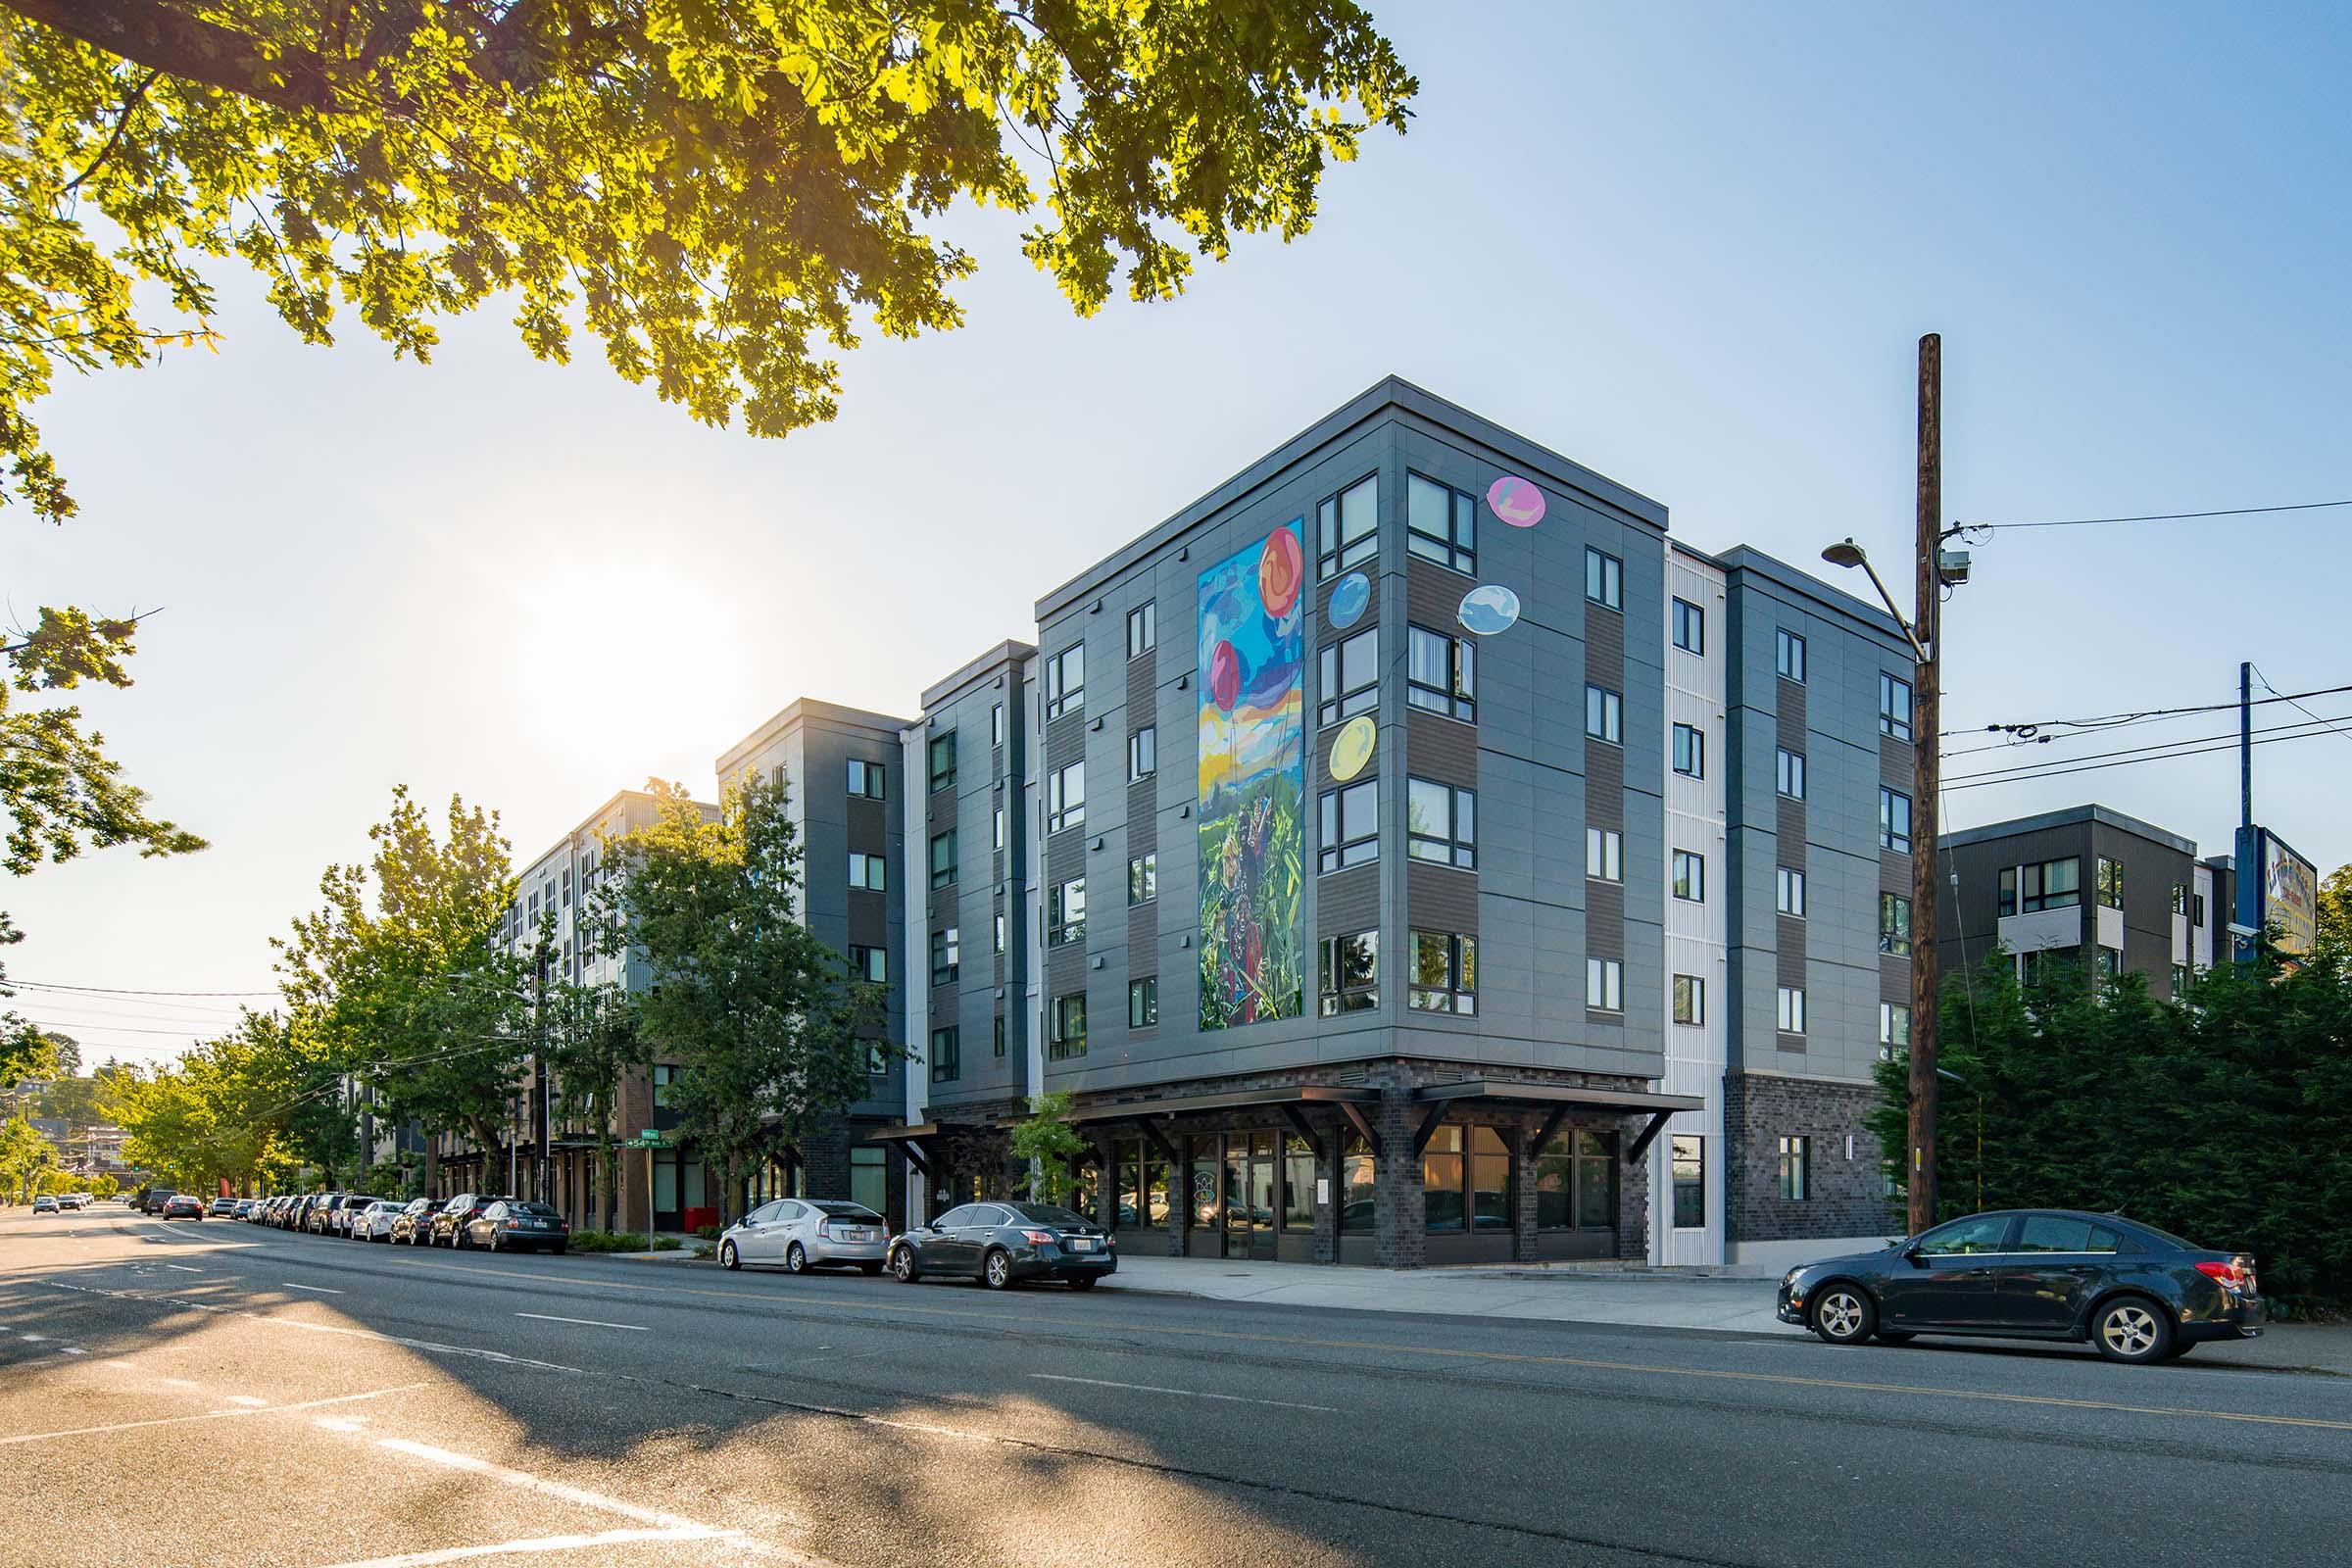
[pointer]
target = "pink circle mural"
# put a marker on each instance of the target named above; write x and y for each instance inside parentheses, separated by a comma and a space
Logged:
(1279, 572)
(1515, 501)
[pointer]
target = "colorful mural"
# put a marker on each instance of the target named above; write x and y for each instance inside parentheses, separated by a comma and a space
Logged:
(1253, 783)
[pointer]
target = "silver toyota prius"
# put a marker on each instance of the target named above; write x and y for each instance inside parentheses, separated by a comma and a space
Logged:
(806, 1233)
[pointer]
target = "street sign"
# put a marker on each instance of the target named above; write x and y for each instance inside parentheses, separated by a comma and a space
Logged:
(649, 1138)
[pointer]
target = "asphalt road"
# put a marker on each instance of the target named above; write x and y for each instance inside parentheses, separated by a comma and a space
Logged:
(220, 1394)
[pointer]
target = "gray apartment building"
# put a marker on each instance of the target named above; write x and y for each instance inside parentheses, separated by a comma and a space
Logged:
(2106, 892)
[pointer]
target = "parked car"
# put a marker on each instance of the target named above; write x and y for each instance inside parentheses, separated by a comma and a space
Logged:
(997, 1243)
(183, 1205)
(153, 1200)
(517, 1225)
(373, 1222)
(298, 1217)
(72, 1200)
(803, 1234)
(413, 1223)
(45, 1204)
(347, 1213)
(221, 1209)
(452, 1218)
(242, 1207)
(2135, 1292)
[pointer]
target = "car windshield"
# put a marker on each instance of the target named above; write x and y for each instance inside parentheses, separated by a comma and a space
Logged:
(1050, 1214)
(535, 1211)
(855, 1212)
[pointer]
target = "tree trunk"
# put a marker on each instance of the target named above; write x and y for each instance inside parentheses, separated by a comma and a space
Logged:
(486, 1136)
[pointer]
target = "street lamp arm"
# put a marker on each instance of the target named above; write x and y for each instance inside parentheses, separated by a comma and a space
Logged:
(1909, 635)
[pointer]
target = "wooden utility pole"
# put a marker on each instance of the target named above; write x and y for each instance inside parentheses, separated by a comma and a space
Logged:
(1928, 776)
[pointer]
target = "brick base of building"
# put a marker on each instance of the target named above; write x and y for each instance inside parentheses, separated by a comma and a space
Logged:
(1845, 1182)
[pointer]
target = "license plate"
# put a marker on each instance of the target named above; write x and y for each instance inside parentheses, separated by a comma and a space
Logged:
(1082, 1244)
(861, 1236)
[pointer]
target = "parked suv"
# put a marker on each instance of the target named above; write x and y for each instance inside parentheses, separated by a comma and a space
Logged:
(155, 1200)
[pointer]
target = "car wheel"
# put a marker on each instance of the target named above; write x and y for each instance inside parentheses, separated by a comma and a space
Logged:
(2132, 1329)
(1842, 1315)
(728, 1257)
(1082, 1282)
(1894, 1337)
(996, 1269)
(901, 1264)
(496, 1245)
(870, 1270)
(796, 1259)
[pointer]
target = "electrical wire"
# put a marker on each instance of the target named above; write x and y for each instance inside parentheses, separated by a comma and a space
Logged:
(2141, 717)
(2158, 516)
(1977, 781)
(121, 991)
(2315, 719)
(2295, 731)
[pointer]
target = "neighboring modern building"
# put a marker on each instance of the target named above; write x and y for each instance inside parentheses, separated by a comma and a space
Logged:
(2107, 892)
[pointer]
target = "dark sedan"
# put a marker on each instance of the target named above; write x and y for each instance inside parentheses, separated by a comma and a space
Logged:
(451, 1219)
(514, 1225)
(2135, 1292)
(183, 1205)
(997, 1243)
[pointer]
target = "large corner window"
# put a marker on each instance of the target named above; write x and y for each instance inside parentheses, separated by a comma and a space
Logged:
(1066, 913)
(942, 858)
(943, 760)
(1348, 529)
(1065, 681)
(947, 1055)
(1065, 798)
(1440, 824)
(1894, 925)
(1445, 974)
(1067, 1027)
(1441, 673)
(1894, 820)
(1894, 707)
(1604, 579)
(1349, 822)
(865, 779)
(1440, 525)
(1347, 677)
(1351, 974)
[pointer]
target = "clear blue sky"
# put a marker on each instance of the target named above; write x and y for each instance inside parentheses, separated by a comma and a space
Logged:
(1690, 246)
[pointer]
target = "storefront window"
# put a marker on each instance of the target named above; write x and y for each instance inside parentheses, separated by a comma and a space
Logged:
(1596, 1180)
(1297, 1183)
(1489, 1180)
(1204, 1182)
(1156, 1192)
(1442, 1180)
(1131, 1171)
(1261, 1180)
(870, 1178)
(1357, 1169)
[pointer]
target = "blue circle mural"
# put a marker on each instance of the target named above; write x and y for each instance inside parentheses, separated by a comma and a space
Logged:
(1349, 599)
(1489, 609)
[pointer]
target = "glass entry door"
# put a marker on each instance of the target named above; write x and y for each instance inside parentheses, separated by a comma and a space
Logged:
(1249, 1213)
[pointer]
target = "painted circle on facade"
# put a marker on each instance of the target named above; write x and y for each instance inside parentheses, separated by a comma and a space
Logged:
(1352, 748)
(1280, 573)
(1224, 676)
(1350, 597)
(1489, 609)
(1515, 501)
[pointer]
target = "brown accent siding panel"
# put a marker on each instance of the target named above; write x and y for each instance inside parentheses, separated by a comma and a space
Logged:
(1437, 748)
(1605, 920)
(869, 918)
(1433, 598)
(866, 825)
(1604, 643)
(1347, 901)
(1897, 763)
(1438, 897)
(1604, 784)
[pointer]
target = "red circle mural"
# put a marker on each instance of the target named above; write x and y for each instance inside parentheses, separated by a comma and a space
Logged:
(1224, 676)
(1279, 572)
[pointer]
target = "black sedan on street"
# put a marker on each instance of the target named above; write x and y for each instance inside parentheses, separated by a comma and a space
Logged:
(450, 1220)
(997, 1243)
(2135, 1292)
(517, 1225)
(183, 1205)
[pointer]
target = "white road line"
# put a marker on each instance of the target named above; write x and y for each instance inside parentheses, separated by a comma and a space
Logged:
(182, 1383)
(35, 1338)
(208, 1415)
(73, 1350)
(538, 1543)
(183, 1268)
(247, 1399)
(1189, 1394)
(589, 1322)
(323, 1290)
(531, 1483)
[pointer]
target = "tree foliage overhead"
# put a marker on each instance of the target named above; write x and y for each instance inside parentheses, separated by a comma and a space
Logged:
(724, 190)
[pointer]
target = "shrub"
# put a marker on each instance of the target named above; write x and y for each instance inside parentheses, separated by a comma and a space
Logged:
(708, 1233)
(619, 1241)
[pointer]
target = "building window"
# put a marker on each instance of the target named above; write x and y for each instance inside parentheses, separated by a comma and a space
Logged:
(1441, 673)
(1790, 1003)
(1065, 798)
(1689, 999)
(1604, 854)
(942, 858)
(2053, 884)
(1894, 820)
(1691, 876)
(665, 1084)
(2005, 891)
(995, 724)
(1143, 1001)
(1142, 628)
(1604, 579)
(997, 1037)
(1066, 913)
(1445, 974)
(1605, 985)
(1894, 925)
(1065, 681)
(2110, 883)
(947, 1055)
(1351, 974)
(865, 779)
(2196, 909)
(1000, 933)
(943, 760)
(946, 955)
(1689, 627)
(1894, 707)
(1350, 824)
(1143, 754)
(996, 828)
(1575, 1182)
(1795, 1161)
(1068, 1038)
(1788, 655)
(1348, 529)
(1788, 891)
(1348, 676)
(1605, 715)
(1788, 773)
(2110, 962)
(870, 964)
(1143, 878)
(1440, 525)
(1894, 1029)
(2180, 897)
(1359, 1168)
(2180, 978)
(1689, 750)
(1688, 1157)
(1440, 824)
(867, 871)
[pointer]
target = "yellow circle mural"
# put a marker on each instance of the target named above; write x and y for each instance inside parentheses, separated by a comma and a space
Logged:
(1351, 750)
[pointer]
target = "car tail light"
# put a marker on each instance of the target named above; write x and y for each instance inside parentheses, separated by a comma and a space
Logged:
(825, 1230)
(1038, 1237)
(513, 1224)
(2237, 1273)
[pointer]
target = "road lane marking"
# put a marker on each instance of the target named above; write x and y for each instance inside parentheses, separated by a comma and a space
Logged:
(35, 1338)
(1189, 1394)
(72, 1349)
(183, 1268)
(531, 1482)
(181, 1383)
(208, 1415)
(589, 1322)
(247, 1399)
(323, 1290)
(535, 1544)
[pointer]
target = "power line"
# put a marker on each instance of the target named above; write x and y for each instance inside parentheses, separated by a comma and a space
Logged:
(2268, 687)
(1977, 781)
(2143, 715)
(2160, 517)
(121, 991)
(2295, 731)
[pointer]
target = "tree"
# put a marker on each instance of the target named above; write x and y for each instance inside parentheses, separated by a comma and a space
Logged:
(592, 1042)
(774, 1033)
(723, 192)
(24, 1154)
(2335, 907)
(75, 1101)
(399, 980)
(1048, 1143)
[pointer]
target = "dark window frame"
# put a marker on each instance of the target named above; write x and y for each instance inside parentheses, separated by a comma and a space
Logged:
(1062, 695)
(1456, 989)
(1142, 629)
(1143, 1001)
(1455, 549)
(1336, 697)
(1338, 848)
(1352, 991)
(1454, 841)
(1068, 1039)
(1062, 928)
(1604, 579)
(1458, 700)
(1689, 627)
(1336, 550)
(946, 1054)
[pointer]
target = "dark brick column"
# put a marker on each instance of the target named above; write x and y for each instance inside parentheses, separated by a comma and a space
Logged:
(1632, 1192)
(1401, 1234)
(1522, 1139)
(1328, 1144)
(1180, 1197)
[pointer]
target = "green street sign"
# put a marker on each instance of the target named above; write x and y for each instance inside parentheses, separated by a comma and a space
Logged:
(647, 1140)
(649, 1134)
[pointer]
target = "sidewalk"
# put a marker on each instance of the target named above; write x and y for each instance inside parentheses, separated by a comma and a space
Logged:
(1630, 1298)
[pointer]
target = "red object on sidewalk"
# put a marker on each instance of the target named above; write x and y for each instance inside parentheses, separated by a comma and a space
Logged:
(696, 1219)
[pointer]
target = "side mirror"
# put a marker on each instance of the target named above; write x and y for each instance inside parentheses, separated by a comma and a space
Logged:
(1911, 1256)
